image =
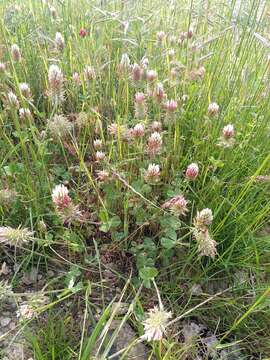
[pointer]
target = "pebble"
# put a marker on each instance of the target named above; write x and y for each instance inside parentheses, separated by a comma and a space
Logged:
(5, 321)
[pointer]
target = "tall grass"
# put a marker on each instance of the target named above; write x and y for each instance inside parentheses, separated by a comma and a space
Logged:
(123, 219)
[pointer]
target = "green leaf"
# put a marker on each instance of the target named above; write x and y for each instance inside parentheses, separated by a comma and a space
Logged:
(115, 221)
(171, 234)
(167, 243)
(148, 273)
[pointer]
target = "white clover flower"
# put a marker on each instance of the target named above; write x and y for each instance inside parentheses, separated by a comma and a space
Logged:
(25, 90)
(152, 174)
(24, 114)
(203, 218)
(177, 205)
(155, 324)
(60, 196)
(213, 109)
(12, 100)
(154, 143)
(56, 81)
(192, 171)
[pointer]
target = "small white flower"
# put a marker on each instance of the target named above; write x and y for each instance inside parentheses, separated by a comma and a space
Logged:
(152, 174)
(12, 100)
(203, 218)
(25, 90)
(155, 324)
(213, 109)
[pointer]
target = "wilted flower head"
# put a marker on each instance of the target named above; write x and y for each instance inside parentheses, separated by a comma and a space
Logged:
(156, 126)
(201, 72)
(144, 62)
(124, 65)
(117, 130)
(12, 100)
(7, 197)
(190, 33)
(53, 11)
(100, 156)
(140, 106)
(172, 39)
(60, 126)
(76, 79)
(2, 68)
(152, 174)
(25, 114)
(60, 197)
(139, 97)
(161, 36)
(192, 171)
(203, 218)
(198, 73)
(136, 72)
(56, 80)
(151, 75)
(154, 143)
(206, 245)
(262, 178)
(137, 131)
(59, 41)
(25, 90)
(5, 290)
(175, 72)
(25, 312)
(227, 139)
(29, 309)
(159, 93)
(228, 131)
(213, 109)
(177, 205)
(89, 73)
(82, 119)
(182, 37)
(170, 106)
(102, 175)
(155, 324)
(16, 53)
(14, 237)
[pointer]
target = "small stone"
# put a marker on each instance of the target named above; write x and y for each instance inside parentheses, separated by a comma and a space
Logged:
(30, 277)
(196, 289)
(119, 308)
(191, 331)
(5, 321)
(5, 270)
(50, 273)
(12, 325)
